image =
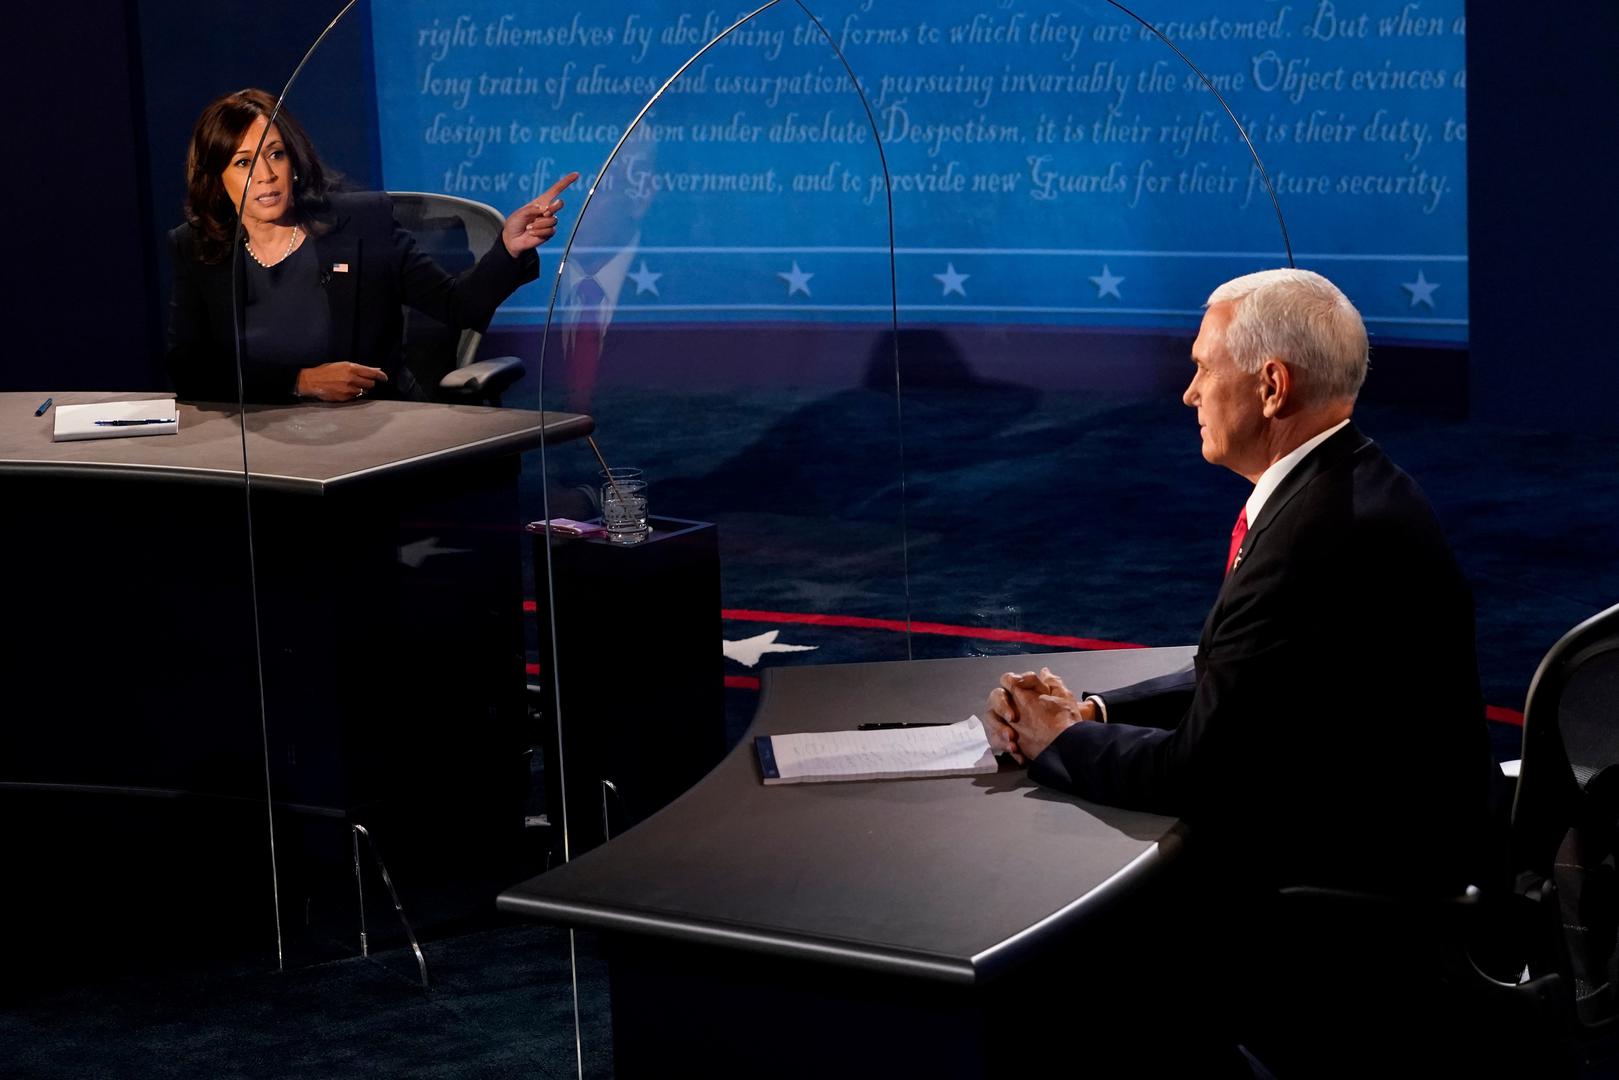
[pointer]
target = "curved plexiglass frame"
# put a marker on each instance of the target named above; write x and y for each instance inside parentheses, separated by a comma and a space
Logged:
(388, 548)
(1143, 169)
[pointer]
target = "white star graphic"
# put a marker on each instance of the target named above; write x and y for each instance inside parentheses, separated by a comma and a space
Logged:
(414, 554)
(645, 280)
(748, 651)
(952, 280)
(1107, 284)
(797, 281)
(1421, 290)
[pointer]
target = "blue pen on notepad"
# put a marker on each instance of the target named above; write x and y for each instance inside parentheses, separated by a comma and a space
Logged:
(43, 406)
(132, 423)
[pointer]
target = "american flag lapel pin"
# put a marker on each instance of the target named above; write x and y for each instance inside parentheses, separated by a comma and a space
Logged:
(340, 268)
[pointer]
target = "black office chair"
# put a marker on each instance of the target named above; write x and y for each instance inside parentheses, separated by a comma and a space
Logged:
(455, 232)
(1565, 834)
(1529, 977)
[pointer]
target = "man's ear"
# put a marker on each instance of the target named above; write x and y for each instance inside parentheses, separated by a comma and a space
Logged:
(1275, 387)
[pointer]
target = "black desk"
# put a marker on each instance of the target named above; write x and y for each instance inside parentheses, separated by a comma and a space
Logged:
(388, 550)
(388, 556)
(864, 927)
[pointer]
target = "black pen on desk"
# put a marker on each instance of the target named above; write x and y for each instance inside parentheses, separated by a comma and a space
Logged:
(888, 727)
(43, 406)
(132, 423)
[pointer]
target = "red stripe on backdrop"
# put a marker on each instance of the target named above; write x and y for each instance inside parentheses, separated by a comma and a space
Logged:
(983, 633)
(859, 622)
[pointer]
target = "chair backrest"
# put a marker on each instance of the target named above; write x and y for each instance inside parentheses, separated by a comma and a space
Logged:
(455, 232)
(1565, 819)
(1570, 734)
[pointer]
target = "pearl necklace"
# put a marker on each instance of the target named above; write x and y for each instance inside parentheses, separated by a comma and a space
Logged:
(292, 243)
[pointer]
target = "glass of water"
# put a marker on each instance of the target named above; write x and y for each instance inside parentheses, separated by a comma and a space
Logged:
(624, 506)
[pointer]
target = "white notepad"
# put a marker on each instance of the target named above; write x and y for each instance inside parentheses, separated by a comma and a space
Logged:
(116, 419)
(892, 754)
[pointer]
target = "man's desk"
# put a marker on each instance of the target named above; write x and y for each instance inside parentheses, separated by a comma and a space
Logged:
(912, 927)
(387, 547)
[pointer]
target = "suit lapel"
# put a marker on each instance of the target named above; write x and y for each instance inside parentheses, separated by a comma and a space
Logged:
(339, 256)
(1327, 456)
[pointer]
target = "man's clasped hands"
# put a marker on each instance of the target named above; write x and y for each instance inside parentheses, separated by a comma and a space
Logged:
(1027, 711)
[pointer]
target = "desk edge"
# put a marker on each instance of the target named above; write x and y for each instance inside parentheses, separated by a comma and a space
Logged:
(978, 969)
(889, 961)
(514, 441)
(1124, 882)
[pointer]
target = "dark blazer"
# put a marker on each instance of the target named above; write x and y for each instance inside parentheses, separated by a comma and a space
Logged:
(1332, 730)
(384, 270)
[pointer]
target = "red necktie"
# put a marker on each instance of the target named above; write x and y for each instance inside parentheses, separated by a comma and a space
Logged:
(1238, 531)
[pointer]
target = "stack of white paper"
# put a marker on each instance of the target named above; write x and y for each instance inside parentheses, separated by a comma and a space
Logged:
(892, 754)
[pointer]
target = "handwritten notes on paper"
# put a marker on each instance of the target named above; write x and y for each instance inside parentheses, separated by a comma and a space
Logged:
(894, 754)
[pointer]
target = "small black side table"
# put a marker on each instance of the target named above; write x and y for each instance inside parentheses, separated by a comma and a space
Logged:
(637, 676)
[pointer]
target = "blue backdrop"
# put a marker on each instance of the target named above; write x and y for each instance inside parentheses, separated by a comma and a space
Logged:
(1052, 162)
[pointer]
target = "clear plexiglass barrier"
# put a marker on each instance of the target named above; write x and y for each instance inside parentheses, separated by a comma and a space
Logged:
(1069, 190)
(394, 444)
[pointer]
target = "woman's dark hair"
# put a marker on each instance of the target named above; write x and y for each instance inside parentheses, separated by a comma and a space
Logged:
(215, 140)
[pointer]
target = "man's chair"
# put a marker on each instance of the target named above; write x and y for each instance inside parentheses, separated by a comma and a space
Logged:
(1565, 834)
(455, 232)
(1527, 978)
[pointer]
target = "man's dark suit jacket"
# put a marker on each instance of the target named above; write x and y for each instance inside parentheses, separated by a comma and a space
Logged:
(384, 270)
(1333, 729)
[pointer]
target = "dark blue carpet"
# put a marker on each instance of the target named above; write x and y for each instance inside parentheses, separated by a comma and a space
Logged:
(500, 1007)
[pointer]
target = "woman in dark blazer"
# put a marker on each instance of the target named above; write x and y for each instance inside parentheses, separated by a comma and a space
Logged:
(322, 274)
